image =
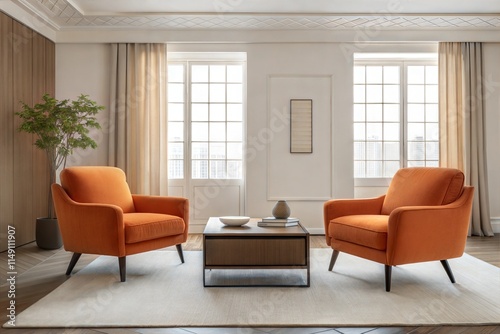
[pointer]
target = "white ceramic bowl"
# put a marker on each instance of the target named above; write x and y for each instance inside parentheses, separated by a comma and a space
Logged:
(234, 220)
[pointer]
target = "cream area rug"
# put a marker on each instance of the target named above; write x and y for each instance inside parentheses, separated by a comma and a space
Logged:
(162, 292)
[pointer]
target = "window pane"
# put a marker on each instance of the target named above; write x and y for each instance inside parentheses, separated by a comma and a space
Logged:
(416, 74)
(359, 94)
(431, 94)
(431, 131)
(359, 169)
(235, 151)
(217, 169)
(199, 169)
(391, 112)
(199, 93)
(359, 113)
(432, 113)
(175, 131)
(391, 74)
(416, 112)
(374, 93)
(391, 131)
(374, 131)
(217, 131)
(234, 93)
(217, 112)
(199, 151)
(373, 74)
(234, 131)
(175, 73)
(374, 112)
(217, 73)
(416, 151)
(431, 75)
(176, 150)
(217, 93)
(374, 168)
(416, 94)
(235, 112)
(432, 151)
(359, 151)
(199, 112)
(217, 150)
(175, 92)
(391, 93)
(359, 131)
(234, 73)
(199, 131)
(199, 73)
(416, 131)
(359, 74)
(175, 169)
(416, 163)
(391, 151)
(175, 112)
(374, 150)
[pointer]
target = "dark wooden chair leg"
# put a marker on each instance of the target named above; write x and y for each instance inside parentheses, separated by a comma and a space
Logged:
(447, 268)
(123, 268)
(388, 274)
(335, 254)
(179, 250)
(72, 263)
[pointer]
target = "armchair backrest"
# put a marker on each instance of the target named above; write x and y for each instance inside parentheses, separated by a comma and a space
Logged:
(98, 184)
(423, 186)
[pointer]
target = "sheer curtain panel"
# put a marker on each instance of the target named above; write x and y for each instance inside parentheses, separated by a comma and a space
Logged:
(462, 124)
(138, 116)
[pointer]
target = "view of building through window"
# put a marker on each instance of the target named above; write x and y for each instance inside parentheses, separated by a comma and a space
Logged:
(396, 119)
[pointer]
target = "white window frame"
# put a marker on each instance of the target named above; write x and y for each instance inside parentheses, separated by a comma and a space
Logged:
(403, 61)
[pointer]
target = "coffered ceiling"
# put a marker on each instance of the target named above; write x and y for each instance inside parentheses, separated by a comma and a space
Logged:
(74, 15)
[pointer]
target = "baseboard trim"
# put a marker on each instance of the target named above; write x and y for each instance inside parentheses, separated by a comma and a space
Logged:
(495, 224)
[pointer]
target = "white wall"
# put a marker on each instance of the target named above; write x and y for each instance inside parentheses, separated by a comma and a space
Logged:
(83, 68)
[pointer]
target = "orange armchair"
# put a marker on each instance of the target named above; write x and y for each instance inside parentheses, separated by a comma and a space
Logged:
(423, 217)
(97, 214)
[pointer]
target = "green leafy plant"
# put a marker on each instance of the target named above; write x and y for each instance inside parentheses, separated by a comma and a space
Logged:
(60, 127)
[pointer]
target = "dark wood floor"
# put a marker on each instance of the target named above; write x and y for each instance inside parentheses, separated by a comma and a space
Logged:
(41, 271)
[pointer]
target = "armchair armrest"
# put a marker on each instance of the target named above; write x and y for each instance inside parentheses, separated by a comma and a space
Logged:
(169, 205)
(427, 233)
(88, 227)
(345, 207)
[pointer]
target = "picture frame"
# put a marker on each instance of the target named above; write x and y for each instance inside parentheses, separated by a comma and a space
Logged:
(301, 130)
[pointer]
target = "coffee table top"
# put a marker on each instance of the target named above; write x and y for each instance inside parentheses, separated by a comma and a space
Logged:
(215, 227)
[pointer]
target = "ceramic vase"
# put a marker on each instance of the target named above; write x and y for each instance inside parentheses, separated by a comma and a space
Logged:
(281, 210)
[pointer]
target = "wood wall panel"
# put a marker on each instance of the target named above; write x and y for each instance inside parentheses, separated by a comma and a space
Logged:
(7, 130)
(27, 71)
(23, 142)
(40, 168)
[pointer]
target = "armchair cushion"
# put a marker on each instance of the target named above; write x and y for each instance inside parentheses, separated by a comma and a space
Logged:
(148, 226)
(423, 187)
(98, 185)
(364, 230)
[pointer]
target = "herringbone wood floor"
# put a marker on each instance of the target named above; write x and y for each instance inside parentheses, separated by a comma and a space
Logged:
(41, 271)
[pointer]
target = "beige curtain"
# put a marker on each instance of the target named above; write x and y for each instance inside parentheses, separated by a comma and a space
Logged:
(462, 124)
(138, 118)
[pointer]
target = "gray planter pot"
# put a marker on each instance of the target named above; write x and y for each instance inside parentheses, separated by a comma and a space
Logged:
(48, 235)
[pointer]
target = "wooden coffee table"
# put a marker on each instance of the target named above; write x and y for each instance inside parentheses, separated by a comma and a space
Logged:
(254, 247)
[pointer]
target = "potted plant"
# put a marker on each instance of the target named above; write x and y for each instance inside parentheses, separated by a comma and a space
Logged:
(60, 127)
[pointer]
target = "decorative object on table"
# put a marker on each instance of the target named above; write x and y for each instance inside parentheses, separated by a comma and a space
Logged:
(234, 220)
(278, 222)
(281, 210)
(60, 127)
(301, 126)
